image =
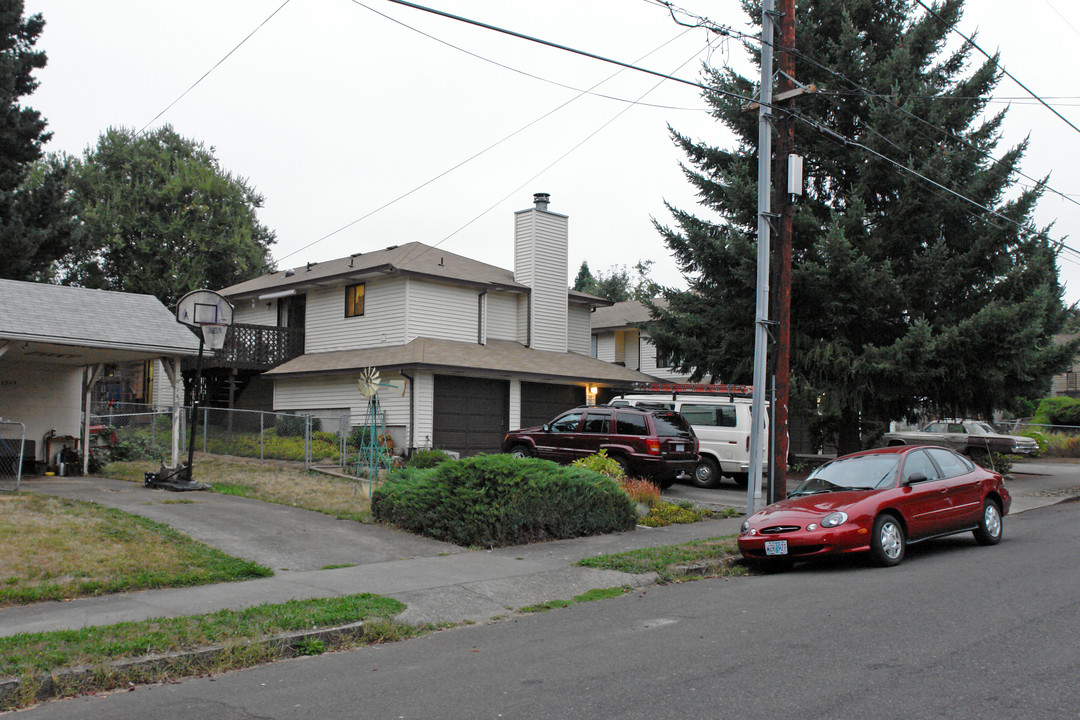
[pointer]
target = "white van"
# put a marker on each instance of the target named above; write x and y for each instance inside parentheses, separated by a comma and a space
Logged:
(722, 425)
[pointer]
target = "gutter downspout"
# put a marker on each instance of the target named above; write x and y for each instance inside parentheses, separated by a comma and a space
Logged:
(412, 409)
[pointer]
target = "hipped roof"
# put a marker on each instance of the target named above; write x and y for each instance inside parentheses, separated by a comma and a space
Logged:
(413, 259)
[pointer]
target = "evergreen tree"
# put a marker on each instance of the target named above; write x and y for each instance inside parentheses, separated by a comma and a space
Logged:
(160, 216)
(35, 223)
(903, 295)
(585, 282)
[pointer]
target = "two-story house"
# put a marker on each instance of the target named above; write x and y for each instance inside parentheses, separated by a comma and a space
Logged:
(617, 338)
(467, 350)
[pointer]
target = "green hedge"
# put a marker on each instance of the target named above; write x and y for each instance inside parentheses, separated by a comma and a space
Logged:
(497, 500)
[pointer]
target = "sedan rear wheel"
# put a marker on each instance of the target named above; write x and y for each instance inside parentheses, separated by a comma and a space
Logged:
(887, 542)
(990, 526)
(706, 474)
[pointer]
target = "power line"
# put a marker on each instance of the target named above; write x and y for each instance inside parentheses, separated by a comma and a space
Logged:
(474, 155)
(554, 162)
(999, 65)
(904, 168)
(566, 48)
(181, 96)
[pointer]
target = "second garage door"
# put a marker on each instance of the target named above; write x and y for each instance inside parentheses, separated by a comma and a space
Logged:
(541, 402)
(471, 414)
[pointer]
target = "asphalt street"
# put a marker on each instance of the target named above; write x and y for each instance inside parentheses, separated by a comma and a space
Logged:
(956, 631)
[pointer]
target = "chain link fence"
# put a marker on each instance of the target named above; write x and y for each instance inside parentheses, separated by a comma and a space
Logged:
(243, 433)
(13, 450)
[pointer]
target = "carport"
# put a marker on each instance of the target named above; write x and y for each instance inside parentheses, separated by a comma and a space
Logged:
(55, 341)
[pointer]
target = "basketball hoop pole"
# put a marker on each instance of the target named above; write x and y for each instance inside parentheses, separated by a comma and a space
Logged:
(195, 392)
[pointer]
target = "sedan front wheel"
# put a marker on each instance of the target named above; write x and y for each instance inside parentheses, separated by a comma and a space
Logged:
(989, 530)
(887, 541)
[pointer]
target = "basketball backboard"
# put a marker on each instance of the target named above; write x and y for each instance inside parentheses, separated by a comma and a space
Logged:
(202, 307)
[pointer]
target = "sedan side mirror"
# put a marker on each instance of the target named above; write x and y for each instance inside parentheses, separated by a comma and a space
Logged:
(546, 427)
(915, 478)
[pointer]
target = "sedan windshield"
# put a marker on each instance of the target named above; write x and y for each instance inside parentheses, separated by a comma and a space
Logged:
(862, 472)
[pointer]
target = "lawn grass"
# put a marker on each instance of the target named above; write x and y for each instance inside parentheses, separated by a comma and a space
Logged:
(55, 548)
(237, 634)
(666, 560)
(285, 483)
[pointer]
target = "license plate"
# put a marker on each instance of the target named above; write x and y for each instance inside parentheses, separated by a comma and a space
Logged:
(776, 547)
(680, 448)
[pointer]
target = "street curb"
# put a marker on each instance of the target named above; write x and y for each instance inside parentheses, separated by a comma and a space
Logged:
(114, 675)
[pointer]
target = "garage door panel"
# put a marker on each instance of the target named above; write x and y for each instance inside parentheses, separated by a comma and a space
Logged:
(541, 402)
(471, 414)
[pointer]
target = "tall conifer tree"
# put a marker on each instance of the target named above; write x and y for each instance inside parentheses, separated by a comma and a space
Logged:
(904, 296)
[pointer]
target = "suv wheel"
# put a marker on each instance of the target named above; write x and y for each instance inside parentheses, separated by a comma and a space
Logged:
(706, 474)
(521, 450)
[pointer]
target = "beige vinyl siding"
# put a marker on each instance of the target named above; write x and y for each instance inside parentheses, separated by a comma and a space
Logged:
(502, 316)
(310, 394)
(523, 302)
(515, 404)
(540, 250)
(442, 311)
(578, 337)
(424, 397)
(648, 363)
(255, 312)
(383, 321)
(605, 346)
(631, 349)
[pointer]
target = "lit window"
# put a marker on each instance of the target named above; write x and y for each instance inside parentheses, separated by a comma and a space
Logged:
(354, 300)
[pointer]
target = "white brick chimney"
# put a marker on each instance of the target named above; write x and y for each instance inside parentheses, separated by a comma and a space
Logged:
(541, 258)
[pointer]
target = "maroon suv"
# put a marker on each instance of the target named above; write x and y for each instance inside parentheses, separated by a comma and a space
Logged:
(655, 444)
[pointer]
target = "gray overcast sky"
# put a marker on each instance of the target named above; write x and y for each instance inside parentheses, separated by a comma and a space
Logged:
(332, 110)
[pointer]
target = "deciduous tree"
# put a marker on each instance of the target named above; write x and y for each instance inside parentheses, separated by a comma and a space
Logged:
(161, 216)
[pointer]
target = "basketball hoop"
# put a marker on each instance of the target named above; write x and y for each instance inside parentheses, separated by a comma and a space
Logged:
(214, 335)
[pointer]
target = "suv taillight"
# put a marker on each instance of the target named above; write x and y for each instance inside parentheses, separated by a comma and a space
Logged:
(747, 443)
(652, 445)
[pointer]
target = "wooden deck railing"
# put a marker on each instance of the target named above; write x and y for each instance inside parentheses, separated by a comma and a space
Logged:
(254, 347)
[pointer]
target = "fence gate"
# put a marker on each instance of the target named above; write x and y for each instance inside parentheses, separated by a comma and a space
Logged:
(12, 451)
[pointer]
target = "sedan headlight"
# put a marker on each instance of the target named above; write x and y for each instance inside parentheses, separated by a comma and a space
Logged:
(745, 527)
(833, 519)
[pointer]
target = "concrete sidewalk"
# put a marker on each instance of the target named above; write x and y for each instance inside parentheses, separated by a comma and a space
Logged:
(439, 582)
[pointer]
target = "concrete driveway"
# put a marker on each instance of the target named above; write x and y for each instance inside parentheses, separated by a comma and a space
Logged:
(278, 536)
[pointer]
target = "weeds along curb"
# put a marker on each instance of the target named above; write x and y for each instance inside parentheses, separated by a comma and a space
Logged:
(705, 567)
(20, 692)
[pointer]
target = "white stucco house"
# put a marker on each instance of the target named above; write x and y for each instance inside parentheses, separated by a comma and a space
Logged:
(617, 338)
(54, 341)
(472, 350)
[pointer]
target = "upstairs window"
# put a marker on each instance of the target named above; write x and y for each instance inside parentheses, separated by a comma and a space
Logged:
(354, 300)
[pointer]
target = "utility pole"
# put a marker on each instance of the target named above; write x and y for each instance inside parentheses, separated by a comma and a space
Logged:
(785, 144)
(761, 314)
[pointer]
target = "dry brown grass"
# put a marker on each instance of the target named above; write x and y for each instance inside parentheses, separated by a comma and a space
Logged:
(275, 481)
(56, 548)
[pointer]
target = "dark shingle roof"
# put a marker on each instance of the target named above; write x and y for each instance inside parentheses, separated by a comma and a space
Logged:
(63, 315)
(503, 358)
(414, 258)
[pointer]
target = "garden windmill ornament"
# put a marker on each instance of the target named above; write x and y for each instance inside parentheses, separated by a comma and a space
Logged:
(373, 452)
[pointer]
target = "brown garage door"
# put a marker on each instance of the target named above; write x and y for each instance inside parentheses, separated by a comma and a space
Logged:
(541, 402)
(471, 414)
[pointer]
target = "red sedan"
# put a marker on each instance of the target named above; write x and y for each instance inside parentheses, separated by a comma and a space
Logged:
(878, 501)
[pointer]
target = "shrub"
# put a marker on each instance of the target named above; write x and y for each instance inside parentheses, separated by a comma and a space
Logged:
(670, 514)
(601, 463)
(1057, 411)
(359, 436)
(423, 459)
(1061, 445)
(496, 500)
(641, 491)
(997, 462)
(294, 425)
